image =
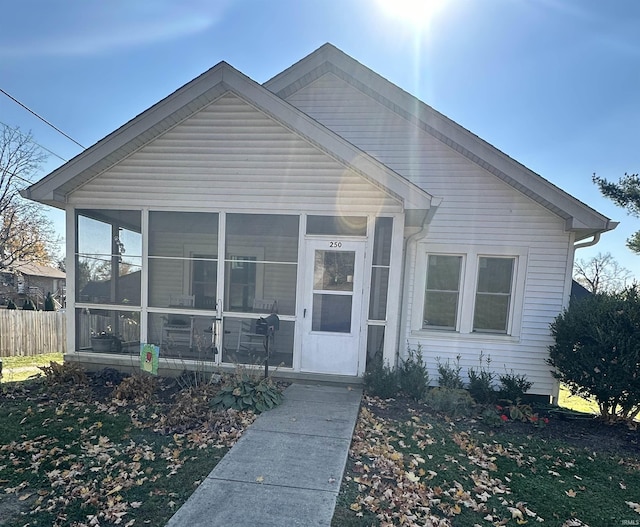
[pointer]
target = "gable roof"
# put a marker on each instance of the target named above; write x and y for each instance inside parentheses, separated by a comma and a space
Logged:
(34, 269)
(579, 217)
(194, 96)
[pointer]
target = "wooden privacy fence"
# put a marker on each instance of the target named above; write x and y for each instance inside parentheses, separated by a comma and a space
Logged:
(32, 332)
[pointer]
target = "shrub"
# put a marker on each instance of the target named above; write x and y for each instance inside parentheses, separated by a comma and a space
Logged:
(597, 351)
(481, 382)
(450, 375)
(12, 305)
(28, 305)
(64, 374)
(138, 388)
(413, 374)
(454, 402)
(246, 392)
(381, 380)
(513, 387)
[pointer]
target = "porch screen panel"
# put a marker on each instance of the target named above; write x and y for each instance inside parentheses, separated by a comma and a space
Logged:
(380, 269)
(183, 260)
(261, 255)
(108, 256)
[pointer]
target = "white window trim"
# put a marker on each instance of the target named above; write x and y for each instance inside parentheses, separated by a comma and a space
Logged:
(471, 255)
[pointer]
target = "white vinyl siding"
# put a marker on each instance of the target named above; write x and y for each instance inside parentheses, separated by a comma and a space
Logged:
(477, 209)
(232, 156)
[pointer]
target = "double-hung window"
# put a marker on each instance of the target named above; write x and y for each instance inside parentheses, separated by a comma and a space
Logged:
(442, 292)
(470, 290)
(493, 294)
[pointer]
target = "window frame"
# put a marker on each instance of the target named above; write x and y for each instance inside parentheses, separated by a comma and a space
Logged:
(468, 288)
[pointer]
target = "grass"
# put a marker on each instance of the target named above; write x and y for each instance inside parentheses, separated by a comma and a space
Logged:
(74, 455)
(577, 403)
(15, 369)
(416, 468)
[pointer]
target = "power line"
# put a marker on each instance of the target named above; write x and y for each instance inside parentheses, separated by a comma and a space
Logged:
(42, 119)
(30, 139)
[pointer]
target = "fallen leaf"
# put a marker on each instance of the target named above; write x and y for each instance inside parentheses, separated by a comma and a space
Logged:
(260, 479)
(571, 493)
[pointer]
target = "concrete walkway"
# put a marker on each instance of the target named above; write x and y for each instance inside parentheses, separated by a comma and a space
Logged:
(285, 470)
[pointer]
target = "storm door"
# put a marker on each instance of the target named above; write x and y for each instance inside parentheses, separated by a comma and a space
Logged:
(332, 312)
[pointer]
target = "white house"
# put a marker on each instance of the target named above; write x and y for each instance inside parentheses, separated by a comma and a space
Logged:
(365, 219)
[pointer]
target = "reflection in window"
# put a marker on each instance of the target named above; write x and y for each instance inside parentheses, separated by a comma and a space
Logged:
(333, 270)
(108, 257)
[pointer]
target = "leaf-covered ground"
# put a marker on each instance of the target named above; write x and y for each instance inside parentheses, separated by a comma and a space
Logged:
(76, 455)
(411, 467)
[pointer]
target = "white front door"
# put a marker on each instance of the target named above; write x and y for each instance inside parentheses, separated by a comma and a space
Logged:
(332, 311)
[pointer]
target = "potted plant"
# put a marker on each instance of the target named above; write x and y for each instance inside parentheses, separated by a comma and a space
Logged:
(105, 342)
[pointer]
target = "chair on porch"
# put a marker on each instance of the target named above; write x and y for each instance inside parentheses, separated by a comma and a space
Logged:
(250, 342)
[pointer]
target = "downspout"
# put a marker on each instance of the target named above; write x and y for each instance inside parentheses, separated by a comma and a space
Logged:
(408, 240)
(590, 243)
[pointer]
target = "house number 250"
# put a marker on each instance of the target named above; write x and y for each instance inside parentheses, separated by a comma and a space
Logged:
(335, 244)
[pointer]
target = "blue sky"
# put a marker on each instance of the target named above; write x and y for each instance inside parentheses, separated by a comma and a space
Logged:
(555, 84)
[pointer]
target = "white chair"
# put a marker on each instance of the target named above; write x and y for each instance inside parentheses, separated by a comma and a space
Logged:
(182, 300)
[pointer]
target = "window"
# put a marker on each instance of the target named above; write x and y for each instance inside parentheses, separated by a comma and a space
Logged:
(477, 291)
(442, 292)
(493, 294)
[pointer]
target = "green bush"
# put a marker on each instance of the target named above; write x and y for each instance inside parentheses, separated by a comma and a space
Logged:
(12, 305)
(597, 351)
(247, 392)
(449, 376)
(454, 402)
(513, 387)
(481, 382)
(381, 380)
(28, 305)
(413, 374)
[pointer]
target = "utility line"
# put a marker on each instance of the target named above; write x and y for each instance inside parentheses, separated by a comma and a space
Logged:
(16, 130)
(42, 118)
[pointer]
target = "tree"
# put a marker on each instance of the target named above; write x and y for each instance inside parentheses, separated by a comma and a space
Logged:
(601, 273)
(626, 194)
(49, 304)
(26, 234)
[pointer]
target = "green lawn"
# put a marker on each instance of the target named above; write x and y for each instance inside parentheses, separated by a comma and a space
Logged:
(574, 402)
(16, 369)
(410, 467)
(74, 455)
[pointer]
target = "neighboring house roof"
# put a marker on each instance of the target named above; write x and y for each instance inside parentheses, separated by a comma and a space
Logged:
(578, 291)
(222, 78)
(33, 269)
(99, 290)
